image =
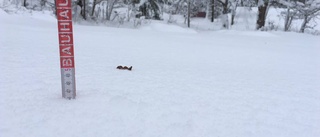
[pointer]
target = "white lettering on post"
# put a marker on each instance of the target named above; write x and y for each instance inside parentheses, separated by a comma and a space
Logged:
(64, 14)
(67, 50)
(66, 62)
(66, 40)
(64, 4)
(65, 26)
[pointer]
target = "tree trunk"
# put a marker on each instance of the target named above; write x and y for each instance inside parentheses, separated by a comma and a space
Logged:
(232, 18)
(128, 13)
(107, 10)
(82, 4)
(93, 7)
(55, 9)
(287, 23)
(225, 7)
(225, 14)
(304, 24)
(188, 13)
(24, 3)
(234, 10)
(212, 10)
(262, 13)
(110, 8)
(84, 10)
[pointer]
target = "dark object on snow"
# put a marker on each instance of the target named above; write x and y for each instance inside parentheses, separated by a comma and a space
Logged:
(200, 14)
(125, 68)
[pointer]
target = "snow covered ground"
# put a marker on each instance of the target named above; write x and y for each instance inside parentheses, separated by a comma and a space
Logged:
(184, 83)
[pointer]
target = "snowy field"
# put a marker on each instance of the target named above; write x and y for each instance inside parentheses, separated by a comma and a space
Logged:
(184, 83)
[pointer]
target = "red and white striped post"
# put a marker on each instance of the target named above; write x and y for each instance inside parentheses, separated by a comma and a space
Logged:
(65, 32)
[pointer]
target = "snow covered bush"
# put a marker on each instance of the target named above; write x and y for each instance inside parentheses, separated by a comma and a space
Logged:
(305, 10)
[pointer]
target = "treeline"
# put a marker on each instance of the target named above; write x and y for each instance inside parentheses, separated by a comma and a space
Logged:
(136, 10)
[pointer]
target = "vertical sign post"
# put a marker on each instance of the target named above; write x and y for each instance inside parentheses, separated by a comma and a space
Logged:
(65, 33)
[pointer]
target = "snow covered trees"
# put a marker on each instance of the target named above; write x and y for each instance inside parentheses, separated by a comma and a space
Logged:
(305, 10)
(298, 15)
(150, 9)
